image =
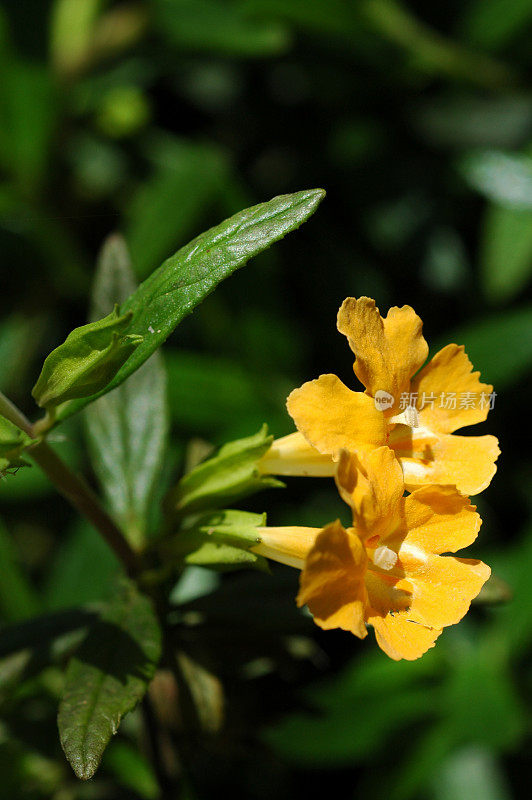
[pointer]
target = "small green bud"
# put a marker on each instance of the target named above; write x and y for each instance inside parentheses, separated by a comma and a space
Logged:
(87, 361)
(12, 443)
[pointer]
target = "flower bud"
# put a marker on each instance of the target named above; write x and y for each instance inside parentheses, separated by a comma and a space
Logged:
(87, 361)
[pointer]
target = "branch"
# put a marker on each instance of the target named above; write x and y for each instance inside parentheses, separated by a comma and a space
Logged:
(73, 488)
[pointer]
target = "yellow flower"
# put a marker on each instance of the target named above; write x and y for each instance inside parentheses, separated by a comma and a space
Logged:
(446, 395)
(387, 570)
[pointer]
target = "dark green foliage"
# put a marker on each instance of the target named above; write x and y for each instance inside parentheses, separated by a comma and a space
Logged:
(107, 677)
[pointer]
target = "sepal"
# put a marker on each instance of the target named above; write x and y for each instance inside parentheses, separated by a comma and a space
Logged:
(219, 540)
(231, 474)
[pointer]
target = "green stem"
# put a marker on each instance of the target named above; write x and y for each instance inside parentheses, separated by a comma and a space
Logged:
(73, 488)
(81, 496)
(14, 415)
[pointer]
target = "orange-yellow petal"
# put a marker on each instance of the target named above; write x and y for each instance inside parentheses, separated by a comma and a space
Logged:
(332, 417)
(372, 484)
(467, 462)
(387, 591)
(400, 637)
(442, 586)
(388, 351)
(447, 381)
(438, 519)
(293, 455)
(332, 581)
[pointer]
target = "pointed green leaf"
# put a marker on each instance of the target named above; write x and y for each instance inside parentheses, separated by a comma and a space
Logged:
(231, 474)
(187, 175)
(127, 428)
(107, 677)
(186, 278)
(205, 692)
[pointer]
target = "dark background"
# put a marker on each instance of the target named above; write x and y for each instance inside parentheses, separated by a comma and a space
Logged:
(159, 119)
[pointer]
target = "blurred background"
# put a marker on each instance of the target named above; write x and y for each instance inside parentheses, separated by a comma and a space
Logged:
(159, 119)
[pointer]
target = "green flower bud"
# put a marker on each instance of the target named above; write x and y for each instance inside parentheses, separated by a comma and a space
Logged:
(12, 443)
(87, 361)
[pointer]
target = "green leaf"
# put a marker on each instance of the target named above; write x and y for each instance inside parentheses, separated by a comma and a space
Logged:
(204, 690)
(505, 178)
(336, 17)
(500, 346)
(72, 31)
(127, 428)
(131, 770)
(230, 475)
(28, 647)
(480, 700)
(27, 111)
(188, 176)
(506, 252)
(19, 337)
(506, 246)
(219, 539)
(492, 24)
(219, 27)
(107, 677)
(82, 569)
(42, 630)
(185, 279)
(87, 360)
(330, 737)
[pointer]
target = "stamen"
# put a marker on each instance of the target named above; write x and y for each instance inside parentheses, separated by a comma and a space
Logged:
(384, 558)
(410, 417)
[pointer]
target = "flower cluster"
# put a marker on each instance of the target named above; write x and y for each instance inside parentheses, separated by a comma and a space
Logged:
(387, 570)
